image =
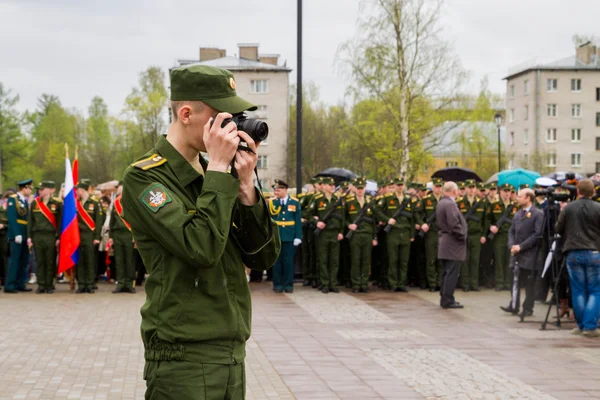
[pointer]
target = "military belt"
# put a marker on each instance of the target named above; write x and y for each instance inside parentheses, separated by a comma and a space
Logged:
(285, 223)
(22, 221)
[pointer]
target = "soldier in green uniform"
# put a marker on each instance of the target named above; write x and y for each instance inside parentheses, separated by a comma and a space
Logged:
(400, 236)
(328, 241)
(462, 189)
(417, 250)
(363, 234)
(121, 241)
(428, 206)
(309, 263)
(285, 211)
(344, 279)
(196, 226)
(496, 210)
(3, 236)
(43, 230)
(17, 212)
(89, 218)
(473, 209)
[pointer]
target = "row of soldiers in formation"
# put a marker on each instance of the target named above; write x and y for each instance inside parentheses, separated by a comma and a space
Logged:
(34, 225)
(379, 237)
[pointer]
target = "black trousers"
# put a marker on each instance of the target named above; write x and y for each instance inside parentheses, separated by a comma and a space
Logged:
(450, 273)
(527, 278)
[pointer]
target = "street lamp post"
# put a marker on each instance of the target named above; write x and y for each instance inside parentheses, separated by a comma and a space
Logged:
(498, 119)
(299, 103)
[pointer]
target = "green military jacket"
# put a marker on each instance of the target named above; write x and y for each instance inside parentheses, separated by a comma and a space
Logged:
(3, 217)
(389, 204)
(116, 223)
(428, 206)
(319, 207)
(477, 221)
(496, 210)
(353, 208)
(39, 222)
(194, 237)
(94, 214)
(305, 202)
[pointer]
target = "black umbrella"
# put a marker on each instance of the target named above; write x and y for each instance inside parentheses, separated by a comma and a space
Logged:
(456, 174)
(338, 174)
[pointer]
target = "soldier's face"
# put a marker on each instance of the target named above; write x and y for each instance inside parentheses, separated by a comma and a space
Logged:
(471, 191)
(437, 190)
(327, 188)
(360, 192)
(505, 194)
(280, 193)
(45, 192)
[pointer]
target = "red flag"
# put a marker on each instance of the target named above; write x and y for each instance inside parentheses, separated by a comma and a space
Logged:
(75, 169)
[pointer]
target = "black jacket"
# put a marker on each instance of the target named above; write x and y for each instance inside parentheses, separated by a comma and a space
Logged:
(579, 225)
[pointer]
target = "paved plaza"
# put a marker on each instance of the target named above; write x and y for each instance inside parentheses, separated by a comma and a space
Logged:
(305, 345)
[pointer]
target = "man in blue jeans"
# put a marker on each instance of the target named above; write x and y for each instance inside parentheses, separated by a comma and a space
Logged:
(579, 225)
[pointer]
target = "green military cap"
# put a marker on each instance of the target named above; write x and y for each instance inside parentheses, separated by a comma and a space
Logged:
(437, 181)
(399, 181)
(481, 186)
(525, 186)
(25, 183)
(360, 182)
(327, 180)
(279, 184)
(506, 186)
(83, 185)
(493, 185)
(312, 180)
(344, 184)
(470, 183)
(47, 184)
(460, 184)
(213, 86)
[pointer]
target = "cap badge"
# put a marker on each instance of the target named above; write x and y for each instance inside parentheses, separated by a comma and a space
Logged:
(232, 83)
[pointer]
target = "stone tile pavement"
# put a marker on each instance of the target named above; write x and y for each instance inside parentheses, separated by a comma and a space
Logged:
(305, 346)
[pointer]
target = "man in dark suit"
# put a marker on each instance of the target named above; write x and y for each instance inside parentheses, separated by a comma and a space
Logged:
(452, 243)
(523, 240)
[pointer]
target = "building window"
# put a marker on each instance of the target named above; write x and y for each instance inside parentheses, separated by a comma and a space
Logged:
(259, 113)
(551, 160)
(598, 119)
(512, 90)
(551, 135)
(526, 113)
(575, 159)
(451, 163)
(552, 85)
(576, 110)
(262, 162)
(597, 142)
(598, 94)
(511, 115)
(525, 159)
(551, 110)
(526, 86)
(512, 139)
(576, 135)
(576, 85)
(259, 86)
(526, 136)
(598, 167)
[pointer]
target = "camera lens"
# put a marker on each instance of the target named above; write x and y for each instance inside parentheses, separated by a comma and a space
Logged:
(258, 130)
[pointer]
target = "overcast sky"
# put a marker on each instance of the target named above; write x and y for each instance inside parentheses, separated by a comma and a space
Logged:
(77, 49)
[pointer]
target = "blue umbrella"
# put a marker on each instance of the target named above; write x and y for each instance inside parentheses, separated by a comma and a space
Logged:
(517, 177)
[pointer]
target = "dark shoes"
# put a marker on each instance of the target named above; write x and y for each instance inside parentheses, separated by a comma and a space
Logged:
(40, 290)
(278, 290)
(325, 289)
(432, 289)
(334, 290)
(466, 290)
(355, 290)
(288, 290)
(364, 290)
(49, 291)
(10, 291)
(509, 310)
(476, 290)
(526, 314)
(80, 290)
(90, 291)
(315, 284)
(306, 283)
(25, 290)
(453, 305)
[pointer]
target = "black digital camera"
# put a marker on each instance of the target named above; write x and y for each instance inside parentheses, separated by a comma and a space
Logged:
(552, 196)
(258, 130)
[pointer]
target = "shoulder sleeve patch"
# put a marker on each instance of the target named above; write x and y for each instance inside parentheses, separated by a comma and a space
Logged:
(153, 161)
(155, 197)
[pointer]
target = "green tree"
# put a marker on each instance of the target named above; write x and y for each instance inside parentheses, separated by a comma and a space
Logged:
(96, 149)
(146, 108)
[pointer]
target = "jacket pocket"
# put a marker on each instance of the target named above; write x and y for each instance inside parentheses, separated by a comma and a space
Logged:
(185, 303)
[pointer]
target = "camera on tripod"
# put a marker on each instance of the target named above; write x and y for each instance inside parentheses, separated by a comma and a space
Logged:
(552, 196)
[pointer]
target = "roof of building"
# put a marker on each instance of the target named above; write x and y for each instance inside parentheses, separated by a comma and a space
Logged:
(237, 64)
(571, 63)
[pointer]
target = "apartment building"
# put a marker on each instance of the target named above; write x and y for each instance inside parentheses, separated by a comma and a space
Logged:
(553, 114)
(261, 80)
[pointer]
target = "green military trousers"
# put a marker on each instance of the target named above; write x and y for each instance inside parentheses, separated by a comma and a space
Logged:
(184, 380)
(86, 267)
(123, 250)
(501, 260)
(44, 245)
(328, 257)
(398, 249)
(469, 271)
(308, 253)
(433, 269)
(360, 252)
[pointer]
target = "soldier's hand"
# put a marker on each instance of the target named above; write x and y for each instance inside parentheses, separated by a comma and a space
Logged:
(96, 242)
(221, 143)
(303, 220)
(483, 240)
(1, 226)
(412, 240)
(375, 243)
(29, 243)
(353, 227)
(110, 242)
(418, 227)
(391, 221)
(18, 239)
(340, 237)
(321, 225)
(494, 229)
(57, 243)
(425, 228)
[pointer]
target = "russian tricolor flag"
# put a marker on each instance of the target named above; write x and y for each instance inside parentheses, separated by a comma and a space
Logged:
(69, 236)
